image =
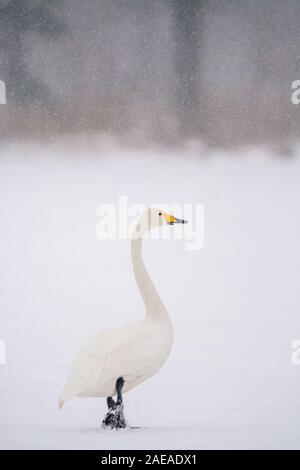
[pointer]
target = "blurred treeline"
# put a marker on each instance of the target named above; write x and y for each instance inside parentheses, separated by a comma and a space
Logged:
(218, 70)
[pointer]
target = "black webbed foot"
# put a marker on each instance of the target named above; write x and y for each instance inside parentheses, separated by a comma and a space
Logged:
(114, 418)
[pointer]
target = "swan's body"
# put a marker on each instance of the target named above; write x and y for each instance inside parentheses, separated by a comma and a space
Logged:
(135, 351)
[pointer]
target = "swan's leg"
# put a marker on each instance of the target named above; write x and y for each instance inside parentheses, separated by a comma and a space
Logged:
(119, 386)
(114, 418)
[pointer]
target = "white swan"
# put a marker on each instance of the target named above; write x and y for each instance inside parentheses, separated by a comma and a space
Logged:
(118, 359)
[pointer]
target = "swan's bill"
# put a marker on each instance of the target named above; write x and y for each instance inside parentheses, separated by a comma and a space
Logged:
(171, 220)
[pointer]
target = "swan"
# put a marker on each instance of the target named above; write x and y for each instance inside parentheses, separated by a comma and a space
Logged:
(116, 360)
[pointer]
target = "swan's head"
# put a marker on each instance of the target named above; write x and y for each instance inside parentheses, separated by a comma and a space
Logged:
(153, 218)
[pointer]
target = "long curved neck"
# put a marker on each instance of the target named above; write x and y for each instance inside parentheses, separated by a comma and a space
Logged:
(155, 308)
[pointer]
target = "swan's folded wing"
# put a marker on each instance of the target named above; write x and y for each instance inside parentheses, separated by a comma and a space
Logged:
(87, 367)
(103, 355)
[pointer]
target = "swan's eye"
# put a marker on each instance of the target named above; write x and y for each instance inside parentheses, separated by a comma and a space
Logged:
(160, 213)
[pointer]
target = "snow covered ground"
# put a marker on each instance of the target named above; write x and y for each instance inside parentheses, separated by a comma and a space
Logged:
(229, 382)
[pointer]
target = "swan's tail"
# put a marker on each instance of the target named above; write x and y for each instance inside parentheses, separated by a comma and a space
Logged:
(61, 402)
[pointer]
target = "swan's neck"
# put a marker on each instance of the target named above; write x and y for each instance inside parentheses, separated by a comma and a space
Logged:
(155, 308)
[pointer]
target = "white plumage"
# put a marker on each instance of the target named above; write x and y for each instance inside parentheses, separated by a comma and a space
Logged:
(134, 351)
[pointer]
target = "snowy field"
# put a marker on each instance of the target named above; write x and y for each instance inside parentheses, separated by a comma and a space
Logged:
(229, 382)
